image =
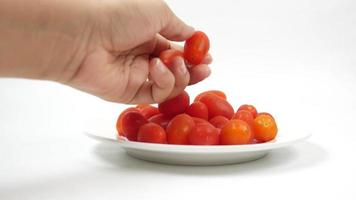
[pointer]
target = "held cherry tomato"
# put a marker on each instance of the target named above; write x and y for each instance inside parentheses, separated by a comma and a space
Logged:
(151, 133)
(214, 92)
(265, 128)
(160, 119)
(219, 121)
(196, 47)
(147, 110)
(167, 56)
(250, 108)
(235, 132)
(198, 109)
(119, 120)
(131, 123)
(204, 134)
(175, 106)
(179, 128)
(217, 106)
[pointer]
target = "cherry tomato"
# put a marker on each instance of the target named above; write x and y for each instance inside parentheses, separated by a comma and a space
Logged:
(219, 121)
(179, 128)
(198, 109)
(250, 108)
(147, 110)
(204, 134)
(167, 56)
(244, 115)
(265, 128)
(175, 106)
(266, 113)
(214, 92)
(131, 122)
(196, 47)
(199, 120)
(217, 106)
(119, 120)
(235, 132)
(160, 119)
(152, 133)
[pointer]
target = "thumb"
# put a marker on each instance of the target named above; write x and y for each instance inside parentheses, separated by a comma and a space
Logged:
(174, 28)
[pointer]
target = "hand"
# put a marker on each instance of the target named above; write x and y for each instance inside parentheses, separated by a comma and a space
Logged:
(117, 64)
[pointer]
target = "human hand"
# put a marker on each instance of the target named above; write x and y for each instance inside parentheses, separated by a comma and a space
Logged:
(117, 64)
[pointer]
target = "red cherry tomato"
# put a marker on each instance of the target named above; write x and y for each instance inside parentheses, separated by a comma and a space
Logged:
(160, 119)
(250, 108)
(199, 120)
(235, 132)
(167, 56)
(196, 47)
(214, 92)
(244, 115)
(131, 122)
(147, 110)
(119, 120)
(198, 109)
(219, 121)
(175, 106)
(179, 128)
(265, 128)
(266, 113)
(152, 133)
(204, 134)
(217, 106)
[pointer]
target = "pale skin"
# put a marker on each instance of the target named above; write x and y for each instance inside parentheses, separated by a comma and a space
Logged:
(108, 48)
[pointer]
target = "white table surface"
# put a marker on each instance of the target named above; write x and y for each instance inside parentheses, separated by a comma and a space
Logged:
(295, 59)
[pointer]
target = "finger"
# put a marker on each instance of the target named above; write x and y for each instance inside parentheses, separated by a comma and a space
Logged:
(174, 28)
(181, 76)
(198, 73)
(159, 87)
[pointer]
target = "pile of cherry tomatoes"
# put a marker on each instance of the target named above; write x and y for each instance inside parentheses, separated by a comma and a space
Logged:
(209, 120)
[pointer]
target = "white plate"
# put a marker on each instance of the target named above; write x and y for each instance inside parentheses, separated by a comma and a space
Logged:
(198, 155)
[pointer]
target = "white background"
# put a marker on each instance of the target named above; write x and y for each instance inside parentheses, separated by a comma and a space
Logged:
(295, 59)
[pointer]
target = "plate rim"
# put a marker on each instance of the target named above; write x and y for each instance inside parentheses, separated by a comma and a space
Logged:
(199, 148)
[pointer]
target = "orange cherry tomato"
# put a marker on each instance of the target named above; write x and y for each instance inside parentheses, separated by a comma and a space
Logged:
(217, 106)
(204, 134)
(179, 128)
(235, 132)
(175, 106)
(152, 133)
(160, 119)
(219, 121)
(198, 109)
(214, 92)
(247, 117)
(147, 110)
(250, 108)
(119, 119)
(266, 113)
(131, 123)
(265, 128)
(196, 47)
(167, 56)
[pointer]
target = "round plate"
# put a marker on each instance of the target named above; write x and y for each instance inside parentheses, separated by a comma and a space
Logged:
(198, 155)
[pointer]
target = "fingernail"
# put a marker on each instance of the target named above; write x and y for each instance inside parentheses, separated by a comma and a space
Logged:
(160, 67)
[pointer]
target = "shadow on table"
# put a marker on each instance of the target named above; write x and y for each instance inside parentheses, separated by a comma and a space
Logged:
(293, 158)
